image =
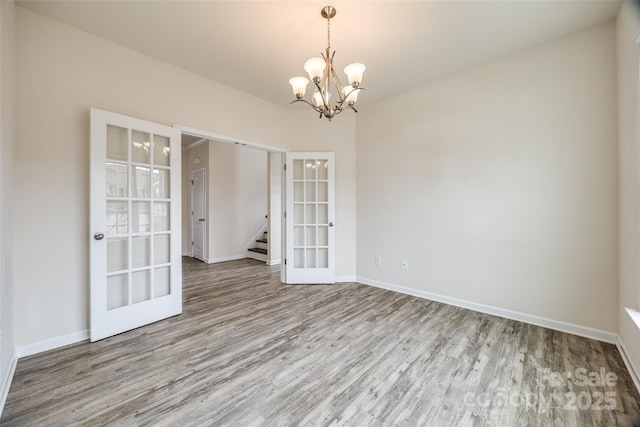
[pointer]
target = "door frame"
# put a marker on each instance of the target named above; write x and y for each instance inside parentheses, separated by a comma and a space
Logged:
(204, 134)
(204, 230)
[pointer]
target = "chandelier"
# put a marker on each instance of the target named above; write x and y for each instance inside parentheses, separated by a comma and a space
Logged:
(326, 80)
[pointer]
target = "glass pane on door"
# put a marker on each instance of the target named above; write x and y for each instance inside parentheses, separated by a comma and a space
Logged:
(161, 249)
(140, 185)
(117, 142)
(117, 291)
(161, 150)
(141, 286)
(161, 282)
(117, 217)
(140, 253)
(161, 184)
(140, 147)
(117, 180)
(117, 254)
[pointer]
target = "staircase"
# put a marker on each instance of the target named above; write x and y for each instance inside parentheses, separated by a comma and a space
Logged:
(259, 251)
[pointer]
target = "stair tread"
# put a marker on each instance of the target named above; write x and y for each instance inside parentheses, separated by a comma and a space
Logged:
(262, 241)
(259, 250)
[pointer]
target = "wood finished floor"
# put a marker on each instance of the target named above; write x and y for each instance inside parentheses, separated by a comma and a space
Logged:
(251, 351)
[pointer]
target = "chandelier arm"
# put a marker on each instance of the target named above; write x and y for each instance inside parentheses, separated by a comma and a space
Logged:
(326, 80)
(308, 103)
(336, 82)
(317, 84)
(320, 87)
(353, 89)
(346, 95)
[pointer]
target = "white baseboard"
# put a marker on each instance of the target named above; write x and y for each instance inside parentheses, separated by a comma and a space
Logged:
(633, 372)
(274, 262)
(224, 259)
(51, 343)
(570, 328)
(189, 254)
(6, 381)
(35, 348)
(346, 279)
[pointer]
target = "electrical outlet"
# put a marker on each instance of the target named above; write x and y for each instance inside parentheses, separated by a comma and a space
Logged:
(405, 264)
(377, 260)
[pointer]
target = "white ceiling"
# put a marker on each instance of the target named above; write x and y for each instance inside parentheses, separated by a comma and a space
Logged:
(256, 46)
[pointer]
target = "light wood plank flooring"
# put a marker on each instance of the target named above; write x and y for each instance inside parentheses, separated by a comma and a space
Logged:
(251, 351)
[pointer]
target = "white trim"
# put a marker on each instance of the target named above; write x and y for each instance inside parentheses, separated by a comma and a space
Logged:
(189, 254)
(570, 328)
(51, 343)
(224, 259)
(274, 262)
(228, 139)
(634, 315)
(8, 378)
(633, 372)
(346, 279)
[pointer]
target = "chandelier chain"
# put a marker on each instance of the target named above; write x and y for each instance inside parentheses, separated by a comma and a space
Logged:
(328, 33)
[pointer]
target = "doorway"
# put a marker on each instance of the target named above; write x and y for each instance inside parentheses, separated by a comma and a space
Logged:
(242, 207)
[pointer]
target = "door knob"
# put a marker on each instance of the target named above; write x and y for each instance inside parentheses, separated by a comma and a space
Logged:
(330, 224)
(201, 220)
(98, 236)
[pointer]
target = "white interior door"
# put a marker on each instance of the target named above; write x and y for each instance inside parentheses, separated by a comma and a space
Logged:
(198, 213)
(136, 264)
(310, 217)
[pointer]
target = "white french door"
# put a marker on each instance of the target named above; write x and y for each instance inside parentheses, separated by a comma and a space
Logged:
(198, 213)
(136, 276)
(310, 217)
